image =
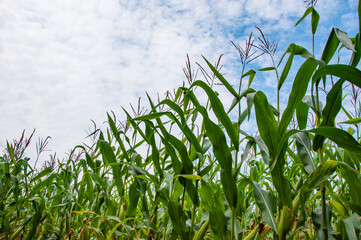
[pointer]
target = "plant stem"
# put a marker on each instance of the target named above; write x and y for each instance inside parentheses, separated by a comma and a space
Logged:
(320, 157)
(278, 90)
(233, 235)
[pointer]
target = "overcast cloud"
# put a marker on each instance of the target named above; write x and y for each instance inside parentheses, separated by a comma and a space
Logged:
(64, 62)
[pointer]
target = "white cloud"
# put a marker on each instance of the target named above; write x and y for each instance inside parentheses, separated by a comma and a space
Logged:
(64, 62)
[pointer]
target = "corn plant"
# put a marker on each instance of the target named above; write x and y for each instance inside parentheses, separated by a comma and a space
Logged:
(187, 169)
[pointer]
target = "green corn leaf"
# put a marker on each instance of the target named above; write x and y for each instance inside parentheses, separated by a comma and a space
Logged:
(266, 69)
(322, 173)
(344, 39)
(36, 220)
(352, 121)
(177, 216)
(303, 144)
(109, 157)
(339, 208)
(302, 115)
(187, 168)
(189, 176)
(155, 152)
(251, 73)
(353, 179)
(332, 108)
(220, 113)
(212, 202)
(298, 92)
(221, 152)
(286, 70)
(314, 20)
(202, 231)
(133, 200)
(307, 12)
(296, 50)
(90, 189)
(116, 135)
(40, 186)
(266, 122)
(349, 73)
(265, 204)
(222, 79)
(331, 47)
(340, 137)
(43, 173)
(352, 225)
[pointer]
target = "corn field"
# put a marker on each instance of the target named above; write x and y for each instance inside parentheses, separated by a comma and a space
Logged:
(187, 169)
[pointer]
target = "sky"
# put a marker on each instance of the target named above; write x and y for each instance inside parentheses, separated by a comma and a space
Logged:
(64, 63)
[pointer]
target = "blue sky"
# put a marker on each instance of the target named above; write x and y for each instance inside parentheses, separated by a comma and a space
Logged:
(64, 62)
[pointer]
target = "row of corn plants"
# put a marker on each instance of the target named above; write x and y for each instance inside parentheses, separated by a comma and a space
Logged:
(187, 169)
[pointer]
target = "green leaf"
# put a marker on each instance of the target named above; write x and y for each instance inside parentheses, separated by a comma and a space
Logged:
(338, 136)
(40, 186)
(109, 158)
(349, 73)
(314, 20)
(285, 70)
(43, 173)
(219, 111)
(116, 135)
(352, 225)
(353, 179)
(251, 73)
(221, 152)
(344, 39)
(265, 204)
(37, 219)
(266, 122)
(222, 79)
(298, 91)
(322, 173)
(308, 11)
(303, 144)
(352, 121)
(190, 176)
(266, 69)
(296, 50)
(329, 113)
(339, 208)
(331, 47)
(177, 216)
(213, 202)
(302, 115)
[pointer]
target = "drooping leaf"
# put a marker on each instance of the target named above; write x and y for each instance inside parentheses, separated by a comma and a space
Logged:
(353, 179)
(265, 204)
(349, 73)
(303, 144)
(344, 39)
(314, 20)
(352, 225)
(338, 136)
(307, 12)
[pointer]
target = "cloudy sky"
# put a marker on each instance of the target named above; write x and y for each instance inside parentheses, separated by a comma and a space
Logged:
(65, 62)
